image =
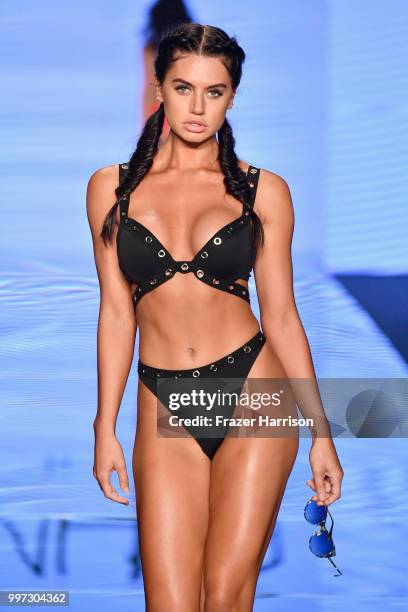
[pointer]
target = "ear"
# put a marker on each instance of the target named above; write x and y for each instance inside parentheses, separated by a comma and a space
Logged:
(231, 103)
(158, 94)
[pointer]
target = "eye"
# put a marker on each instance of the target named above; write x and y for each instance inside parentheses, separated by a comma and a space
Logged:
(219, 93)
(179, 87)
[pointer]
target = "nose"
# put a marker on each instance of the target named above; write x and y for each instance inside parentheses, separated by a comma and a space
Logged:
(197, 104)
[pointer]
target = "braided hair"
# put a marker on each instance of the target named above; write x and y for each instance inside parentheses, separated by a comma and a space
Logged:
(208, 41)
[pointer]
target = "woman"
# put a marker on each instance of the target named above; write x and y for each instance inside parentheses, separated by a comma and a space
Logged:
(206, 507)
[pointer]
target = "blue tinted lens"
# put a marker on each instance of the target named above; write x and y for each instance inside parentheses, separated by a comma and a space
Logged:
(321, 544)
(314, 513)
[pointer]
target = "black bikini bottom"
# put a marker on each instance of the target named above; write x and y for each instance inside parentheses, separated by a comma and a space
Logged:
(227, 374)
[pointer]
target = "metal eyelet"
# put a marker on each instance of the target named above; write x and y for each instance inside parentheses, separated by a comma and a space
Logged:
(251, 185)
(200, 273)
(168, 272)
(196, 373)
(247, 349)
(143, 370)
(216, 281)
(246, 213)
(125, 166)
(148, 239)
(135, 227)
(123, 213)
(153, 281)
(213, 367)
(231, 287)
(230, 359)
(253, 170)
(161, 253)
(184, 266)
(230, 229)
(204, 254)
(139, 289)
(217, 240)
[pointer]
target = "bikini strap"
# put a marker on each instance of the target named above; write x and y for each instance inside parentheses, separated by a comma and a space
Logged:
(123, 202)
(253, 177)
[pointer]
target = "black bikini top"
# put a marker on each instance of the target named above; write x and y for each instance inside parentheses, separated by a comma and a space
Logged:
(223, 259)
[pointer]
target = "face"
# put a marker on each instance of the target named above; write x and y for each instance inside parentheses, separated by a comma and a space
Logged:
(196, 94)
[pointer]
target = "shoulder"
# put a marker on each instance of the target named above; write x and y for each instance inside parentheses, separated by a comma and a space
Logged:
(100, 193)
(273, 198)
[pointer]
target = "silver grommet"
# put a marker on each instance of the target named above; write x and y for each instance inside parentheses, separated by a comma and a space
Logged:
(196, 373)
(251, 184)
(246, 213)
(247, 349)
(123, 213)
(148, 239)
(253, 170)
(204, 254)
(200, 273)
(184, 266)
(217, 240)
(230, 359)
(216, 281)
(231, 287)
(161, 253)
(153, 281)
(213, 367)
(168, 272)
(125, 166)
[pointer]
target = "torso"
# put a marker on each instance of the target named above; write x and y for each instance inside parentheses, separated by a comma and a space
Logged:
(183, 321)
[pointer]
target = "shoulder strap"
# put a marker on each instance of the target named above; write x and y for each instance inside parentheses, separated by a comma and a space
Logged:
(123, 202)
(253, 177)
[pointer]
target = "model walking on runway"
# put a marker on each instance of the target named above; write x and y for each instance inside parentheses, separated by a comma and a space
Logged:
(177, 231)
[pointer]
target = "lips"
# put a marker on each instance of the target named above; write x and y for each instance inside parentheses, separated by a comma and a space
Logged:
(194, 126)
(200, 123)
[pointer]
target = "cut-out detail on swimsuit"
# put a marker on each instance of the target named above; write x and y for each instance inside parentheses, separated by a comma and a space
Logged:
(225, 258)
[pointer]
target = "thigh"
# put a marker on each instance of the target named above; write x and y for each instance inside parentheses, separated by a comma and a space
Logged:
(248, 481)
(171, 478)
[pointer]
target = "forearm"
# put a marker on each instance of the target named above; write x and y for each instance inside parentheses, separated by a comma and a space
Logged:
(289, 341)
(116, 343)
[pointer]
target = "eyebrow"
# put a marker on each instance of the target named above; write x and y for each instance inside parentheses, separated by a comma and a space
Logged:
(191, 85)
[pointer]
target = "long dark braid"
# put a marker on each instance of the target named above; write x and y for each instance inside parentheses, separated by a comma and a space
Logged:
(208, 41)
(139, 165)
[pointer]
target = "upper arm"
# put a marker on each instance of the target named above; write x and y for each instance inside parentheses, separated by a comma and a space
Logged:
(100, 197)
(273, 265)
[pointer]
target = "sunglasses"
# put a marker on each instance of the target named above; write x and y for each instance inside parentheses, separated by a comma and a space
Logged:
(321, 543)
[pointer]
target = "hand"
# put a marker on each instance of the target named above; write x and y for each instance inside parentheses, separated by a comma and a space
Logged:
(327, 472)
(109, 457)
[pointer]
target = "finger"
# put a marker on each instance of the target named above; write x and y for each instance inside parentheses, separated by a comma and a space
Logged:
(320, 488)
(123, 478)
(110, 492)
(312, 485)
(336, 490)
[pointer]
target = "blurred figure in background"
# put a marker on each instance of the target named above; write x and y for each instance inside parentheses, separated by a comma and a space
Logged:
(162, 16)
